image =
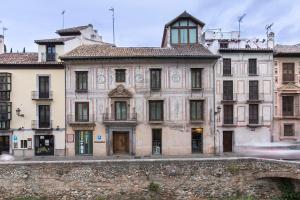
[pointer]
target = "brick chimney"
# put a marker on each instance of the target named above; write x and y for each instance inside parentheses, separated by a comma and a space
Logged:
(1, 44)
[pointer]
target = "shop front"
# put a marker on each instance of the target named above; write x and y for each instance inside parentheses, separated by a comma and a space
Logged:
(83, 142)
(44, 145)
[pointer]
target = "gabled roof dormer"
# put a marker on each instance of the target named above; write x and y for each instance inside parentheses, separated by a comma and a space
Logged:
(183, 30)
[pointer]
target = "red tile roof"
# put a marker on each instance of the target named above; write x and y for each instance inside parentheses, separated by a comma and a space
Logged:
(18, 58)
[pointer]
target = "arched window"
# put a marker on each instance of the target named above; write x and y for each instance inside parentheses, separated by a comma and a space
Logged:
(184, 32)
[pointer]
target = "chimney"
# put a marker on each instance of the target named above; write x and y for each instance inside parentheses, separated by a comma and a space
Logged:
(1, 44)
(270, 40)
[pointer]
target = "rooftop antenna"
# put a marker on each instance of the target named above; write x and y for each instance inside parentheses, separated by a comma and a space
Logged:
(268, 29)
(240, 19)
(4, 29)
(63, 18)
(113, 19)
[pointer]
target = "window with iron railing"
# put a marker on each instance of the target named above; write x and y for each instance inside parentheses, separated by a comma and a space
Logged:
(253, 90)
(228, 114)
(196, 110)
(5, 115)
(82, 111)
(227, 90)
(288, 72)
(253, 114)
(156, 110)
(50, 53)
(44, 116)
(5, 86)
(44, 87)
(288, 130)
(120, 110)
(287, 105)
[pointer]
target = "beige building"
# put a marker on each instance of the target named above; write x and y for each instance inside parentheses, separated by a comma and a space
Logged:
(142, 101)
(287, 93)
(32, 97)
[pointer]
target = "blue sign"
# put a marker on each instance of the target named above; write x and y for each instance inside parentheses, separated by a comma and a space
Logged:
(99, 138)
(15, 138)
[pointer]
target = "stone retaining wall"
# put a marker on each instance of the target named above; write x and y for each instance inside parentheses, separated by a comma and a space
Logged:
(130, 179)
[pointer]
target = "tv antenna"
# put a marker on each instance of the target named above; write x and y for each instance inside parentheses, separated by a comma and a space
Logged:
(240, 20)
(268, 28)
(63, 18)
(4, 29)
(112, 9)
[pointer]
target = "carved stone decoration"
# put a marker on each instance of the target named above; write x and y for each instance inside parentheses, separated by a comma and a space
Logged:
(100, 79)
(289, 87)
(120, 92)
(176, 77)
(139, 78)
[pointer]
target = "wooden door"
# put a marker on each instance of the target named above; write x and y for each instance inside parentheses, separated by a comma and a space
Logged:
(227, 141)
(121, 142)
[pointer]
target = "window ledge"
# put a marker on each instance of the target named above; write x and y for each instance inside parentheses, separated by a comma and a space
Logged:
(81, 91)
(155, 122)
(253, 74)
(228, 75)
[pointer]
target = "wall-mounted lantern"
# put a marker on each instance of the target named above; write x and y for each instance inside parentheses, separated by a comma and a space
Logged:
(18, 112)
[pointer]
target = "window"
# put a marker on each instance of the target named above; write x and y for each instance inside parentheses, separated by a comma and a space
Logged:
(196, 110)
(81, 81)
(228, 90)
(156, 110)
(253, 114)
(252, 66)
(288, 72)
(224, 45)
(120, 75)
(44, 87)
(184, 32)
(253, 90)
(120, 110)
(287, 105)
(5, 115)
(228, 114)
(288, 130)
(156, 141)
(82, 111)
(155, 79)
(226, 66)
(44, 116)
(50, 52)
(196, 78)
(5, 86)
(23, 144)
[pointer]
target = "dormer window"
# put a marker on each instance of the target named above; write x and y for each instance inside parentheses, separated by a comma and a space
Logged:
(184, 32)
(50, 52)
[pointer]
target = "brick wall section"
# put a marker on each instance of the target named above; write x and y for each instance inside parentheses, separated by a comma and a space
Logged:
(129, 179)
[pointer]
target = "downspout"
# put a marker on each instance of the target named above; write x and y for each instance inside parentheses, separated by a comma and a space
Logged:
(214, 107)
(65, 68)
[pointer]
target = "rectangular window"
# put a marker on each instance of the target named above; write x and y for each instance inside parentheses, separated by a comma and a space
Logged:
(5, 115)
(5, 86)
(120, 110)
(156, 110)
(82, 111)
(288, 72)
(23, 144)
(252, 66)
(193, 36)
(287, 105)
(44, 116)
(50, 53)
(227, 90)
(44, 87)
(156, 141)
(226, 66)
(196, 78)
(174, 36)
(253, 90)
(224, 45)
(155, 79)
(228, 114)
(120, 75)
(196, 110)
(253, 114)
(289, 130)
(81, 81)
(183, 36)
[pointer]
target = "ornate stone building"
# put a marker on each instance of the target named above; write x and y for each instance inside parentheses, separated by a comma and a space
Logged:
(287, 93)
(142, 101)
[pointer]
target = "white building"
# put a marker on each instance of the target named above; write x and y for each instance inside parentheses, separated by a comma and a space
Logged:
(244, 89)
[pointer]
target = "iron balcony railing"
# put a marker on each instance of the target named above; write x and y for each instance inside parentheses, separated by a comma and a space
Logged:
(256, 121)
(230, 97)
(39, 95)
(295, 112)
(50, 57)
(255, 96)
(230, 121)
(36, 124)
(72, 118)
(111, 117)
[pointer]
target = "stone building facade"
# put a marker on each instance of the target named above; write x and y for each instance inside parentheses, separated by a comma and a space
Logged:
(287, 93)
(244, 90)
(142, 101)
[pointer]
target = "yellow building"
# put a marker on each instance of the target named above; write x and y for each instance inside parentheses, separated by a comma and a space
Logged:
(32, 105)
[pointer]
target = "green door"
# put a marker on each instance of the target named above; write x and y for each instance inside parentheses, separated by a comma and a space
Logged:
(84, 143)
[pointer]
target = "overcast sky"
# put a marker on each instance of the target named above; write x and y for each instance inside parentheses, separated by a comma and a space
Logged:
(141, 22)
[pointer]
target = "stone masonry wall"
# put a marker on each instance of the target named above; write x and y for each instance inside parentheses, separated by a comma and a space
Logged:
(130, 179)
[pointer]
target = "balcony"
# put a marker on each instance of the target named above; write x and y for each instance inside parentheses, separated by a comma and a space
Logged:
(197, 121)
(253, 123)
(50, 57)
(38, 95)
(88, 120)
(292, 114)
(230, 122)
(229, 99)
(41, 125)
(127, 119)
(255, 98)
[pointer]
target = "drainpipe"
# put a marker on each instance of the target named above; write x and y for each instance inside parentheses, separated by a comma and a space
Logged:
(65, 68)
(214, 107)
